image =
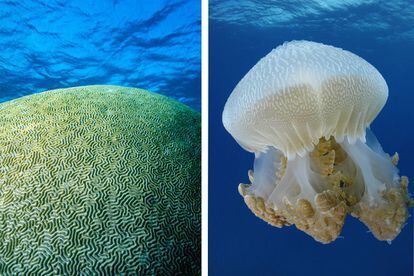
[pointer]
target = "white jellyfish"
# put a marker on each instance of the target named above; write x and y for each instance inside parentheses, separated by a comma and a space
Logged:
(305, 110)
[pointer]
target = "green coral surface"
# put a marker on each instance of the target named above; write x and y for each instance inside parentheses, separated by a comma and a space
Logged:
(99, 180)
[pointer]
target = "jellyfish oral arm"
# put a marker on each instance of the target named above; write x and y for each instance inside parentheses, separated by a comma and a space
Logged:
(316, 192)
(383, 206)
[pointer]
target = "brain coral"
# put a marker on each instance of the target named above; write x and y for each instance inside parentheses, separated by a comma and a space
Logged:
(99, 179)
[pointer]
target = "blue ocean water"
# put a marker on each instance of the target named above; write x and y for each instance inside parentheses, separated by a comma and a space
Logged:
(154, 45)
(242, 32)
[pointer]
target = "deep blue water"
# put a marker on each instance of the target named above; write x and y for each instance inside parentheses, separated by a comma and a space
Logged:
(242, 32)
(154, 45)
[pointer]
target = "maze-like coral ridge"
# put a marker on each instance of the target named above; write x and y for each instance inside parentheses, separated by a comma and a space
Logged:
(99, 179)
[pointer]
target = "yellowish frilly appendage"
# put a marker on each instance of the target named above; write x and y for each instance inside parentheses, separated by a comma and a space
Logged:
(385, 220)
(324, 227)
(323, 216)
(395, 158)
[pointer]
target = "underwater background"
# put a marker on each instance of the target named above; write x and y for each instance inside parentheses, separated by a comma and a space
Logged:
(153, 45)
(242, 32)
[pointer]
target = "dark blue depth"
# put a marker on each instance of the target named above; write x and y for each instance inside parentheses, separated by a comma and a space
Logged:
(154, 45)
(239, 242)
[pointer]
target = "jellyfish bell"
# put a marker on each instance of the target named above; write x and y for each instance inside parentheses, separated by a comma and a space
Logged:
(305, 110)
(303, 91)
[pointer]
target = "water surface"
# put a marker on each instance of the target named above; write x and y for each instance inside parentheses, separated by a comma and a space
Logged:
(154, 45)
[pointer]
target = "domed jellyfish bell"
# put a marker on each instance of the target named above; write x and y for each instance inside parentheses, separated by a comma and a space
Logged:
(304, 110)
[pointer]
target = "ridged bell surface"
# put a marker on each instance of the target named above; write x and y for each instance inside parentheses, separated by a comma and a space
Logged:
(303, 91)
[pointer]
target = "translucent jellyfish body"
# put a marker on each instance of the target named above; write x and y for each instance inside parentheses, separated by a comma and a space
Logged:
(305, 111)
